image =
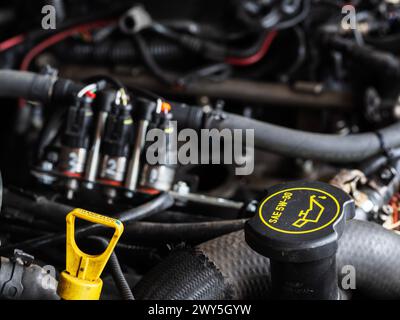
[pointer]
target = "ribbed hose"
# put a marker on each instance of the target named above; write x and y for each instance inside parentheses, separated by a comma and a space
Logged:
(189, 275)
(246, 273)
(291, 142)
(118, 52)
(372, 250)
(375, 254)
(116, 272)
(324, 147)
(119, 278)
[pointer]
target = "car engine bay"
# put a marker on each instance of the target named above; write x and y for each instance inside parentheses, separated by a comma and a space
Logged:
(200, 150)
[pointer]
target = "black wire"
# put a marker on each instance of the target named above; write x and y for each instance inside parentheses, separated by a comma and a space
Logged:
(118, 84)
(151, 64)
(103, 77)
(51, 131)
(213, 71)
(296, 20)
(207, 49)
(150, 252)
(204, 31)
(301, 54)
(116, 272)
(273, 19)
(147, 93)
(250, 51)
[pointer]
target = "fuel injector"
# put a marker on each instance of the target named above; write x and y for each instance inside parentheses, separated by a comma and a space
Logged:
(75, 143)
(143, 114)
(160, 176)
(115, 148)
(298, 227)
(102, 105)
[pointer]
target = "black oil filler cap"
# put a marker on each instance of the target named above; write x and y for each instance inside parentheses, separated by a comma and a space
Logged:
(300, 222)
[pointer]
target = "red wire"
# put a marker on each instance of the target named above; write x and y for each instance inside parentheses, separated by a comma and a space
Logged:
(58, 38)
(91, 95)
(12, 42)
(242, 62)
(42, 46)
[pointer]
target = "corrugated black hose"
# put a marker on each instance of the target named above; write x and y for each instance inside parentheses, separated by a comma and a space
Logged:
(116, 272)
(227, 268)
(121, 51)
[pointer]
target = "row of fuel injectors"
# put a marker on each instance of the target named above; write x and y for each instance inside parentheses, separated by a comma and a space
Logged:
(101, 142)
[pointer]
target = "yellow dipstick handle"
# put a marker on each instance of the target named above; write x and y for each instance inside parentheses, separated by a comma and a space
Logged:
(81, 279)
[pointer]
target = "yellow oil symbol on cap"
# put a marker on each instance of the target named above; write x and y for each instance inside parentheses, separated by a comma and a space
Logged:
(312, 214)
(81, 279)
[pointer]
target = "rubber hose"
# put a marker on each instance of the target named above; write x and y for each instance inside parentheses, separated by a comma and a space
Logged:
(116, 272)
(380, 61)
(160, 203)
(28, 85)
(371, 249)
(36, 87)
(245, 274)
(149, 233)
(194, 277)
(118, 52)
(296, 143)
(37, 205)
(374, 164)
(375, 254)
